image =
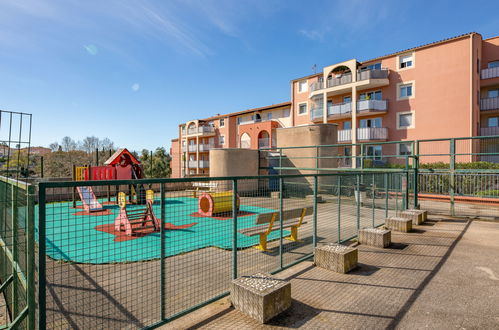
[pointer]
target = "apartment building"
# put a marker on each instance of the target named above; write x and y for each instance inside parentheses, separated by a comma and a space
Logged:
(448, 88)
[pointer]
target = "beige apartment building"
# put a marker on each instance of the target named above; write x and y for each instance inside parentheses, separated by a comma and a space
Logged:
(444, 89)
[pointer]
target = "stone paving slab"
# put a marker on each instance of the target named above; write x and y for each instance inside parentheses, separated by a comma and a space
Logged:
(443, 277)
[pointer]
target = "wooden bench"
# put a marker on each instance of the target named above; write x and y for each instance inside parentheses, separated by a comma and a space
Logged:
(265, 221)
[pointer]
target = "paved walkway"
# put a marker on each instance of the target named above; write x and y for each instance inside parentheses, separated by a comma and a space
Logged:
(444, 275)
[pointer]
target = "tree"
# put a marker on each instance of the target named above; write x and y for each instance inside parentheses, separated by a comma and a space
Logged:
(68, 144)
(106, 144)
(158, 166)
(90, 144)
(54, 146)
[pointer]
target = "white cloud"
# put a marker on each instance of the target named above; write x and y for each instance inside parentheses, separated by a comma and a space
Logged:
(135, 87)
(312, 34)
(91, 49)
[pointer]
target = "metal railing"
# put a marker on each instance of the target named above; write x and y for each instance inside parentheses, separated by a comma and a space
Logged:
(111, 280)
(192, 147)
(372, 74)
(372, 133)
(339, 109)
(316, 113)
(487, 131)
(371, 105)
(206, 147)
(491, 103)
(338, 80)
(490, 73)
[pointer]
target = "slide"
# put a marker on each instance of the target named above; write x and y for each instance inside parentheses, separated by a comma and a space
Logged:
(90, 202)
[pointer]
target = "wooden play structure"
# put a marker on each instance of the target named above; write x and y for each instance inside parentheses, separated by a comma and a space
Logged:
(122, 165)
(139, 221)
(216, 203)
(265, 224)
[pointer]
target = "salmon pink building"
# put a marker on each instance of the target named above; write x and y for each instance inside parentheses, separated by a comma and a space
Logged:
(444, 89)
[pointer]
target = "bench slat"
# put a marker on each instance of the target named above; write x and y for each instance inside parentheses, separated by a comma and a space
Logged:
(253, 231)
(286, 214)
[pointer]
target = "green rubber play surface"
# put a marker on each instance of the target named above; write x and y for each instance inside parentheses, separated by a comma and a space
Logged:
(74, 238)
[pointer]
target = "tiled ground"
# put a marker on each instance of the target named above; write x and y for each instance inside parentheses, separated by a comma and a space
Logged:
(445, 275)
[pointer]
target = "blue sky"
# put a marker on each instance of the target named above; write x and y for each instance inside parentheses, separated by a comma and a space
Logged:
(133, 70)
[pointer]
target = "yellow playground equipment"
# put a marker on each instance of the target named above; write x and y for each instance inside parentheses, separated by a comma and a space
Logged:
(210, 204)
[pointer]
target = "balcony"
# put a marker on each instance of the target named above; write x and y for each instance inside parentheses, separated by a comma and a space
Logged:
(368, 106)
(192, 148)
(206, 147)
(490, 73)
(316, 113)
(491, 103)
(195, 163)
(184, 148)
(342, 83)
(341, 109)
(489, 131)
(201, 130)
(364, 134)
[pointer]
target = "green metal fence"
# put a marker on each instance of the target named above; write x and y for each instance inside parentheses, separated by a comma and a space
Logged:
(93, 276)
(17, 263)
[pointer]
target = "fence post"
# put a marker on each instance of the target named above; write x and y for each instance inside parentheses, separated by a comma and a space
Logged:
(357, 188)
(339, 209)
(163, 252)
(15, 249)
(317, 160)
(41, 257)
(406, 192)
(314, 238)
(234, 228)
(386, 194)
(30, 264)
(362, 156)
(416, 183)
(373, 191)
(281, 260)
(452, 179)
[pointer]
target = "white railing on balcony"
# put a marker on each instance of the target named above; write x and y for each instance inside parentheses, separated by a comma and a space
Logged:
(490, 103)
(316, 86)
(490, 73)
(200, 129)
(263, 143)
(339, 80)
(339, 109)
(344, 135)
(192, 148)
(376, 105)
(192, 164)
(206, 147)
(204, 164)
(316, 113)
(184, 148)
(488, 131)
(183, 131)
(372, 133)
(372, 74)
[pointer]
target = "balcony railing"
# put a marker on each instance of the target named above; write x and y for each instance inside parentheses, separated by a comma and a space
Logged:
(194, 164)
(347, 78)
(371, 105)
(184, 148)
(340, 80)
(363, 134)
(200, 129)
(192, 147)
(206, 147)
(372, 133)
(344, 135)
(372, 74)
(316, 113)
(488, 131)
(339, 109)
(490, 103)
(490, 73)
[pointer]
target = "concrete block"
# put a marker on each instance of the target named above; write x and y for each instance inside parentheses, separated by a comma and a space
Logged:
(310, 198)
(260, 296)
(423, 212)
(336, 257)
(414, 215)
(377, 237)
(275, 194)
(399, 224)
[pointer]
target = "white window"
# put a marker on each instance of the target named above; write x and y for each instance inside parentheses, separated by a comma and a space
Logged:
(376, 95)
(405, 61)
(405, 91)
(405, 149)
(405, 120)
(347, 125)
(221, 139)
(302, 108)
(347, 99)
(374, 152)
(302, 86)
(373, 122)
(375, 66)
(493, 121)
(222, 122)
(269, 115)
(285, 113)
(239, 120)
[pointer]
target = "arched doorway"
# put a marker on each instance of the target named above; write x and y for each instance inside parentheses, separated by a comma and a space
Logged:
(263, 140)
(245, 141)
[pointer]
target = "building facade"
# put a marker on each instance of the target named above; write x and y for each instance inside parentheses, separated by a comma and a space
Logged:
(448, 88)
